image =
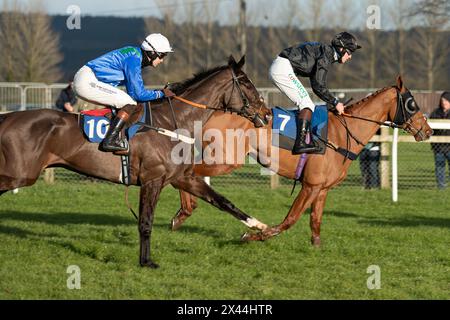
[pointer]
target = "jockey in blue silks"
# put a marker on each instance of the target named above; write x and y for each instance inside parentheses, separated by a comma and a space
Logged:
(99, 79)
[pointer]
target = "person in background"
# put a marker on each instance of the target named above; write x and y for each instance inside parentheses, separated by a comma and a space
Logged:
(66, 99)
(441, 150)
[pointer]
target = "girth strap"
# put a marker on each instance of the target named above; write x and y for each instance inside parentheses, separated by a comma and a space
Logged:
(345, 152)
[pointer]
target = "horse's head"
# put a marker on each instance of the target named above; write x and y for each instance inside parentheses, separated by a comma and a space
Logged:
(407, 114)
(244, 98)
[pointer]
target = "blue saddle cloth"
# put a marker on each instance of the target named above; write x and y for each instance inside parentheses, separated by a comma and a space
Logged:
(285, 122)
(95, 127)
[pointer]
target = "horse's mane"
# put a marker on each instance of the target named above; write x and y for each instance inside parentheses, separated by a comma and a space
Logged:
(357, 103)
(180, 87)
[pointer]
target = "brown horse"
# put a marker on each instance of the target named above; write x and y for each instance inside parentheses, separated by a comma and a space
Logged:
(322, 172)
(31, 141)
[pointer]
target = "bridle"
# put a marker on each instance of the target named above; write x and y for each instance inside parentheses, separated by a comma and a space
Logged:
(243, 111)
(405, 114)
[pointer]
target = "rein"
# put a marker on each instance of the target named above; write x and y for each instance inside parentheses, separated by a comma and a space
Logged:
(381, 123)
(235, 79)
(191, 103)
(392, 124)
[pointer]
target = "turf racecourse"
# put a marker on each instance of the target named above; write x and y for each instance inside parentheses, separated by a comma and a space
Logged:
(44, 229)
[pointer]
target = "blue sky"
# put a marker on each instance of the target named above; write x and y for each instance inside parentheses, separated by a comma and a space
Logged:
(260, 12)
(110, 7)
(105, 7)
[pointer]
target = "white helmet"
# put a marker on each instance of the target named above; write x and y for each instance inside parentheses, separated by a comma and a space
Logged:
(156, 42)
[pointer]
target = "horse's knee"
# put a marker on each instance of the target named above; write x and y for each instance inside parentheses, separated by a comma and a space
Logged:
(144, 229)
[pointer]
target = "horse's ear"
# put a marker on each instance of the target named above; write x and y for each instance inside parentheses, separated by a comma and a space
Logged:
(241, 63)
(231, 61)
(399, 82)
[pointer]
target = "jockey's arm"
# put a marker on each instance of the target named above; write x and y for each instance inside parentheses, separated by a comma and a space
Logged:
(319, 87)
(135, 84)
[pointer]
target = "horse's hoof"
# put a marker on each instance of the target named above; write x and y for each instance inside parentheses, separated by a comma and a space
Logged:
(175, 225)
(248, 236)
(315, 242)
(150, 264)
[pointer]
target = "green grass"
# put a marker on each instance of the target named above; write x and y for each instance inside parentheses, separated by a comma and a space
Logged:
(44, 229)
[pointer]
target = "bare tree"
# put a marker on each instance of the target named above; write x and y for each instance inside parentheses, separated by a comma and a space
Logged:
(31, 46)
(401, 22)
(255, 55)
(435, 11)
(209, 13)
(290, 15)
(430, 47)
(315, 15)
(344, 11)
(168, 10)
(9, 40)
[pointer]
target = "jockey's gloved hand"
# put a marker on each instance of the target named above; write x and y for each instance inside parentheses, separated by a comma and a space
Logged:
(339, 108)
(168, 93)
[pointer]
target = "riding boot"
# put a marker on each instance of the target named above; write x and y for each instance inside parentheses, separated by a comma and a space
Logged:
(112, 142)
(303, 129)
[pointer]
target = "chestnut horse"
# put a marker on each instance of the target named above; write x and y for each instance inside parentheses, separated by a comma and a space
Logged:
(322, 172)
(31, 141)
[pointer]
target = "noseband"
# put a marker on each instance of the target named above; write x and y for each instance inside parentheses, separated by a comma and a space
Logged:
(244, 111)
(405, 114)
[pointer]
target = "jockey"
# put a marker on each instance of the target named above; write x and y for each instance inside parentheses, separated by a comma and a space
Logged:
(97, 82)
(312, 60)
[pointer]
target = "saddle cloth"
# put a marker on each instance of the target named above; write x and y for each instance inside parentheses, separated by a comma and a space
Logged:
(285, 122)
(95, 123)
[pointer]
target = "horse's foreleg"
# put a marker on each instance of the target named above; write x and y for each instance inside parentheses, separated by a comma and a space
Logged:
(149, 195)
(199, 188)
(316, 216)
(301, 203)
(188, 204)
(188, 201)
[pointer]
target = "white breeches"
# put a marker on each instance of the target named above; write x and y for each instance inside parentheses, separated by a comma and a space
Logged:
(282, 75)
(87, 87)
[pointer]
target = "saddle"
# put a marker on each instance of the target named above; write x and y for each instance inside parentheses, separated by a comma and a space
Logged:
(285, 127)
(94, 125)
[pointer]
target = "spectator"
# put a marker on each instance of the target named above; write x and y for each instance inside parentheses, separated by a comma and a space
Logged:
(369, 163)
(66, 99)
(441, 150)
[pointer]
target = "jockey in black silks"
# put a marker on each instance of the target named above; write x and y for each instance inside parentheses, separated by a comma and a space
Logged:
(311, 60)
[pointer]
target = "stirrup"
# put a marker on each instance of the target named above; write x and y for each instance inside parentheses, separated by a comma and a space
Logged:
(306, 149)
(123, 143)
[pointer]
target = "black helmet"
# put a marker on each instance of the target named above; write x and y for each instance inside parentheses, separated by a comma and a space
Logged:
(345, 40)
